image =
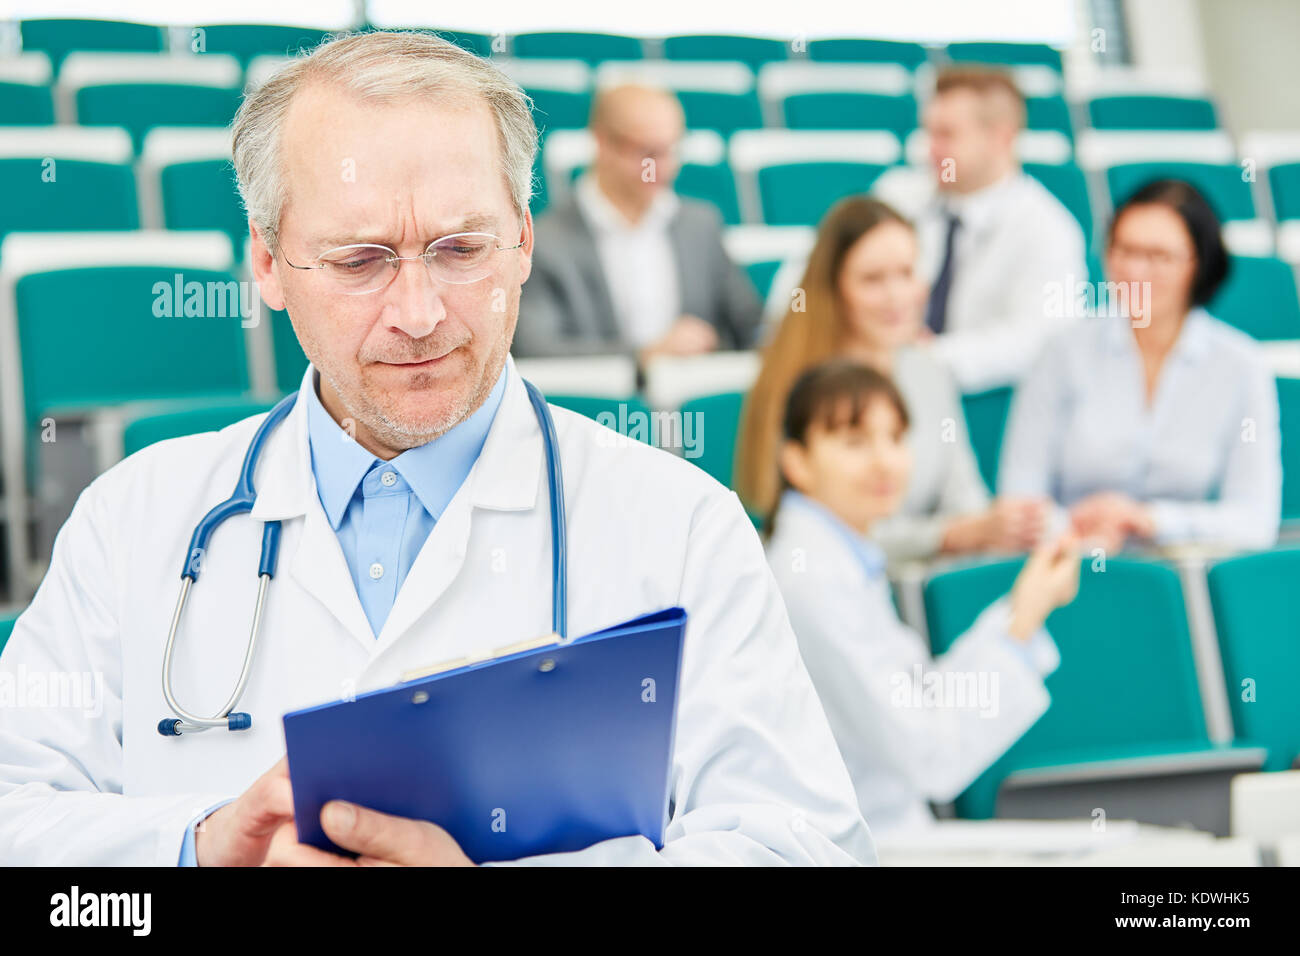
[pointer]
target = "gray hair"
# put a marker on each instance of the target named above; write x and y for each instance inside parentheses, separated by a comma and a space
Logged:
(383, 66)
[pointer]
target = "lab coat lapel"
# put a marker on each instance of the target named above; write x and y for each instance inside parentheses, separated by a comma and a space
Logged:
(286, 489)
(505, 477)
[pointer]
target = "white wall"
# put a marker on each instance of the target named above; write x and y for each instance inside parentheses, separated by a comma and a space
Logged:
(1252, 62)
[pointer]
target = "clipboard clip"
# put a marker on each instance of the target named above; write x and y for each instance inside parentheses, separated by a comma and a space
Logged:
(532, 644)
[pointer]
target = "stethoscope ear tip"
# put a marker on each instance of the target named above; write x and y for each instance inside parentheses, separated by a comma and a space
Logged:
(239, 721)
(169, 727)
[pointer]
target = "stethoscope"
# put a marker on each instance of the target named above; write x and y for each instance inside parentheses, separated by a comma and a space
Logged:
(242, 500)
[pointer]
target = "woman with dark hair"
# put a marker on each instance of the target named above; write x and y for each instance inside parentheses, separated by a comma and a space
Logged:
(844, 464)
(1154, 421)
(861, 298)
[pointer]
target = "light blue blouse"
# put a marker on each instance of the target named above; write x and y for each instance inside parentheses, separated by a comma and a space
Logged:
(1205, 454)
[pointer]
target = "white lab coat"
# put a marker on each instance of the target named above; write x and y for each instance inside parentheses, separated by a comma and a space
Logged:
(756, 777)
(863, 661)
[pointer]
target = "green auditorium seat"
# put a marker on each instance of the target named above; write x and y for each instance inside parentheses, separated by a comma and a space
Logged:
(1284, 184)
(560, 109)
(1068, 184)
(628, 416)
(201, 194)
(139, 107)
(290, 362)
(1146, 112)
(1257, 615)
(541, 187)
(6, 628)
(1096, 272)
(754, 51)
(89, 336)
(722, 112)
(1049, 113)
(851, 110)
(1288, 395)
(717, 424)
(83, 195)
(1259, 297)
(1126, 687)
(762, 274)
(591, 47)
(798, 194)
(245, 41)
(854, 50)
(1221, 184)
(59, 37)
(23, 104)
(145, 430)
(712, 183)
(26, 96)
(986, 420)
(1007, 54)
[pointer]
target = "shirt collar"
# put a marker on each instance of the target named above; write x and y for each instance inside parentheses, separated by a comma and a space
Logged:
(1193, 340)
(868, 554)
(434, 470)
(976, 208)
(606, 217)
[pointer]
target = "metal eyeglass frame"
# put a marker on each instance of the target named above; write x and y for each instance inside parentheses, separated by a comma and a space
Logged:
(394, 260)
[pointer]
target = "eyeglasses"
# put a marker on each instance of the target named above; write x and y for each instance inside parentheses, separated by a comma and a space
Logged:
(1159, 258)
(362, 268)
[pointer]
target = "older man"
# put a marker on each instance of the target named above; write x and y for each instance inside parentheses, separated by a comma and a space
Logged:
(624, 264)
(386, 178)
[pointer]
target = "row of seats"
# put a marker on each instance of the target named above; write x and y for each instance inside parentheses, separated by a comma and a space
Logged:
(721, 95)
(1149, 708)
(771, 177)
(104, 292)
(76, 179)
(60, 37)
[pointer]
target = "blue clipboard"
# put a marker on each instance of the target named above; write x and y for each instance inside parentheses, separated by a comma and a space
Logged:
(541, 751)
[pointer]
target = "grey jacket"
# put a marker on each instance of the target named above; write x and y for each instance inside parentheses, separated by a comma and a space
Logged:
(566, 309)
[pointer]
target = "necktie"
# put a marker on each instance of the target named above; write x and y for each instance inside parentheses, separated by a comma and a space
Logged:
(937, 307)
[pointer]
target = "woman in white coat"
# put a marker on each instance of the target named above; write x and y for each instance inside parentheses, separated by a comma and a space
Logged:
(844, 462)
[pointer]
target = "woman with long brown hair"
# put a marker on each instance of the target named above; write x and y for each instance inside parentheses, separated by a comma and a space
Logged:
(861, 298)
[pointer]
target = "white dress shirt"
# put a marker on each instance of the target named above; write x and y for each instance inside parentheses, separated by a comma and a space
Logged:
(637, 259)
(865, 662)
(1205, 454)
(1014, 240)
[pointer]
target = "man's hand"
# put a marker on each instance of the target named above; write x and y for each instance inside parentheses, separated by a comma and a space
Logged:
(241, 833)
(384, 840)
(258, 830)
(688, 335)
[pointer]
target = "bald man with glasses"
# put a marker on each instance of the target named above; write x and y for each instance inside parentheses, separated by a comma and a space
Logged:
(625, 265)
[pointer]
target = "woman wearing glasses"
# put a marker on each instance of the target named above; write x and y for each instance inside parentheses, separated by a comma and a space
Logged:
(1155, 423)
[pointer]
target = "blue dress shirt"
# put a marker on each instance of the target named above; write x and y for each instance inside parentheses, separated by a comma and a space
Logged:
(382, 511)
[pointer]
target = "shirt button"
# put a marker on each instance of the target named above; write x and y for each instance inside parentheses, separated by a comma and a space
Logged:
(388, 479)
(376, 571)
